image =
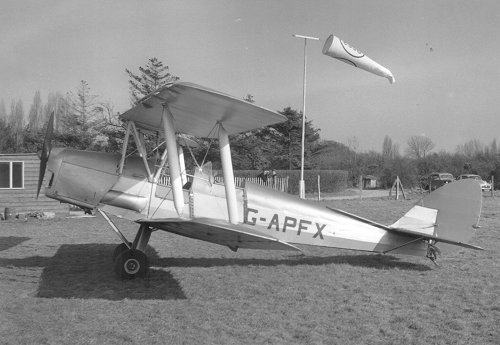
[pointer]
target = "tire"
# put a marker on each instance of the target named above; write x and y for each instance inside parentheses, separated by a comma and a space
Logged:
(130, 264)
(120, 249)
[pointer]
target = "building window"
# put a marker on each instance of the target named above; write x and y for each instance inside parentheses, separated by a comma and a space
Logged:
(11, 175)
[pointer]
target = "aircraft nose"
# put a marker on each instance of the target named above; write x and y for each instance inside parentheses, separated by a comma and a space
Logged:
(55, 151)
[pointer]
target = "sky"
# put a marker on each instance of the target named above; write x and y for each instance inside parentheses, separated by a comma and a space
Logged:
(444, 55)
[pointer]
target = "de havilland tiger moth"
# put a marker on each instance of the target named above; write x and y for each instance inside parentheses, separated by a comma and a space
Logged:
(155, 190)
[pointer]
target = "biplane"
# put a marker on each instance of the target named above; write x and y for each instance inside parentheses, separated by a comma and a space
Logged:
(154, 189)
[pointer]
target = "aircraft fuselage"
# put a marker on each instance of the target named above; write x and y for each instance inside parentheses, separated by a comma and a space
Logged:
(90, 179)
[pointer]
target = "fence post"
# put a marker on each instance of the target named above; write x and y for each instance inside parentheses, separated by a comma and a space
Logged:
(397, 187)
(492, 186)
(319, 187)
(360, 186)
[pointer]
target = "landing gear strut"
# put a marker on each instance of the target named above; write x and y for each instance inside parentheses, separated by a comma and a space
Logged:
(130, 259)
(433, 253)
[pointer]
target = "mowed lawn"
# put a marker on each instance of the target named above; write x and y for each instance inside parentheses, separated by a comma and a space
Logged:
(57, 287)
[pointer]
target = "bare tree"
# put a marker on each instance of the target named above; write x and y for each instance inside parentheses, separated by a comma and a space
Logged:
(3, 111)
(16, 122)
(352, 143)
(60, 105)
(35, 114)
(108, 114)
(471, 148)
(419, 146)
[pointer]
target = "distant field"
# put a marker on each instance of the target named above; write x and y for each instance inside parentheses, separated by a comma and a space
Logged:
(57, 287)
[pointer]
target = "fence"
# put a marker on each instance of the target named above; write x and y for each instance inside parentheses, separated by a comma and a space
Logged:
(279, 183)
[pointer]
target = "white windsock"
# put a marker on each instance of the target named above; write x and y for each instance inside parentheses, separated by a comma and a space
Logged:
(338, 49)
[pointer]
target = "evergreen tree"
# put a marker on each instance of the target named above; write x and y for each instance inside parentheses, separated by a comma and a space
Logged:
(289, 138)
(151, 77)
(276, 146)
(82, 119)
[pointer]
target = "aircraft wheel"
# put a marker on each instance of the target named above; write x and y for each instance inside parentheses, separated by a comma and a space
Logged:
(130, 264)
(119, 249)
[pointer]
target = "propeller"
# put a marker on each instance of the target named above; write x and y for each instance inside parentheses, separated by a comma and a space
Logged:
(44, 157)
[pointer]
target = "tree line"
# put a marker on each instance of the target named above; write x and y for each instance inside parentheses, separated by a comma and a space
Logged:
(472, 157)
(84, 121)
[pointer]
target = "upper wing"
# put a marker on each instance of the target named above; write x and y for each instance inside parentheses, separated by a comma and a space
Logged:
(220, 232)
(197, 109)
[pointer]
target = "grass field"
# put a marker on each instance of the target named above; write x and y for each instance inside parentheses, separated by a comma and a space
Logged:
(57, 287)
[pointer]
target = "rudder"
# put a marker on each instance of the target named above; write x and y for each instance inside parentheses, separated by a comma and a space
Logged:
(459, 208)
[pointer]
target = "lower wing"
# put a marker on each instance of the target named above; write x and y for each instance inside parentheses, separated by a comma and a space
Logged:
(234, 236)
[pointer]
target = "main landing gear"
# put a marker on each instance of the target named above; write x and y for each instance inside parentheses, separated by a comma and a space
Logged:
(130, 259)
(131, 263)
(433, 252)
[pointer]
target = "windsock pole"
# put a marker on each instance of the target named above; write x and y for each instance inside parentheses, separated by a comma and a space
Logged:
(302, 187)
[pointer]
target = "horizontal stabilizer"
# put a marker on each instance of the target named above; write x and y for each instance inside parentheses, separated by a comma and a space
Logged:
(419, 220)
(220, 232)
(361, 219)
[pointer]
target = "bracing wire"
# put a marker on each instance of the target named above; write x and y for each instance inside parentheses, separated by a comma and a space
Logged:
(214, 128)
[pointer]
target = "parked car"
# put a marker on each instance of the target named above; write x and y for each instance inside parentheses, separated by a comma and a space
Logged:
(435, 180)
(485, 186)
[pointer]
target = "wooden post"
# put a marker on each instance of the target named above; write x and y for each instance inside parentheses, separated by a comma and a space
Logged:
(402, 189)
(399, 187)
(360, 186)
(319, 187)
(492, 186)
(392, 187)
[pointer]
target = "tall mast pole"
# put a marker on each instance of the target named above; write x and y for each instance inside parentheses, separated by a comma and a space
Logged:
(302, 192)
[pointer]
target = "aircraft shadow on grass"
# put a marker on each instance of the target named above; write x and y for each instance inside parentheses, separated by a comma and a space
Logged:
(83, 271)
(7, 242)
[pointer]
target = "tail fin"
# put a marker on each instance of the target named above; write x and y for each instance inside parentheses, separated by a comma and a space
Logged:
(458, 206)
